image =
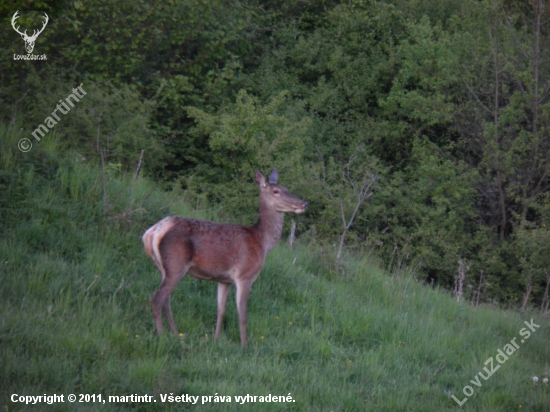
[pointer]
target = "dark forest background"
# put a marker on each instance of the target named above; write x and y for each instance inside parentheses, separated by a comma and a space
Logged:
(418, 131)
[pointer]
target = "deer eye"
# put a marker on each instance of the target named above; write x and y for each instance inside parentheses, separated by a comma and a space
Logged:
(276, 192)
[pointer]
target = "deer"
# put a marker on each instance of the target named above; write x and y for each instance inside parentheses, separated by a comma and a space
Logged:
(29, 40)
(227, 253)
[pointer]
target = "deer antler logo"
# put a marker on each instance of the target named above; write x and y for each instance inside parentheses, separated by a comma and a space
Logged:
(29, 40)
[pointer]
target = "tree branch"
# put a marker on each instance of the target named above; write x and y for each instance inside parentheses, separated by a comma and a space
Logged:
(478, 100)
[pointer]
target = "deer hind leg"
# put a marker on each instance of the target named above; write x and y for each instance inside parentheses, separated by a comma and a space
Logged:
(161, 299)
(168, 314)
(175, 260)
(223, 291)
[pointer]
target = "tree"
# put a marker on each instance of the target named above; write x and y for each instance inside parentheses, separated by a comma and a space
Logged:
(246, 136)
(348, 186)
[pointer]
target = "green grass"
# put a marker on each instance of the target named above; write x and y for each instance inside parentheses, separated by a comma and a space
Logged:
(75, 286)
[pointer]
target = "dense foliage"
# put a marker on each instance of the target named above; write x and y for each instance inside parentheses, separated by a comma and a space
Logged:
(445, 102)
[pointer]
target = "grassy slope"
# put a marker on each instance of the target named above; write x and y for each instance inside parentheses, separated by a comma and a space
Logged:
(74, 297)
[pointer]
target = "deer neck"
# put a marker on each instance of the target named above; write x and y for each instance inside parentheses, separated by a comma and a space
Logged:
(269, 227)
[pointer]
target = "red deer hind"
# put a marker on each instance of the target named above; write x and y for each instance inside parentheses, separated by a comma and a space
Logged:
(223, 252)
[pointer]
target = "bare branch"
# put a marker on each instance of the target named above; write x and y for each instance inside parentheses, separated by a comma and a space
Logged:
(15, 107)
(544, 93)
(520, 85)
(343, 215)
(477, 98)
(324, 179)
(513, 32)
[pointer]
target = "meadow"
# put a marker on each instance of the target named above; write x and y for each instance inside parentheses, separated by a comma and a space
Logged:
(75, 286)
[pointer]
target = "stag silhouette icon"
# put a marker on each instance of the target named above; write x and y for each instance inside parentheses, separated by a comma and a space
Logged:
(29, 40)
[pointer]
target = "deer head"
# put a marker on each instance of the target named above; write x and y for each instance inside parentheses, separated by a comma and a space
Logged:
(277, 197)
(29, 40)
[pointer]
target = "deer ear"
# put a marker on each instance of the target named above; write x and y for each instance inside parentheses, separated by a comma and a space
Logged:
(260, 179)
(274, 176)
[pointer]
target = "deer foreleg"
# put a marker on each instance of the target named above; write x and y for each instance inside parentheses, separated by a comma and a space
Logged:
(243, 290)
